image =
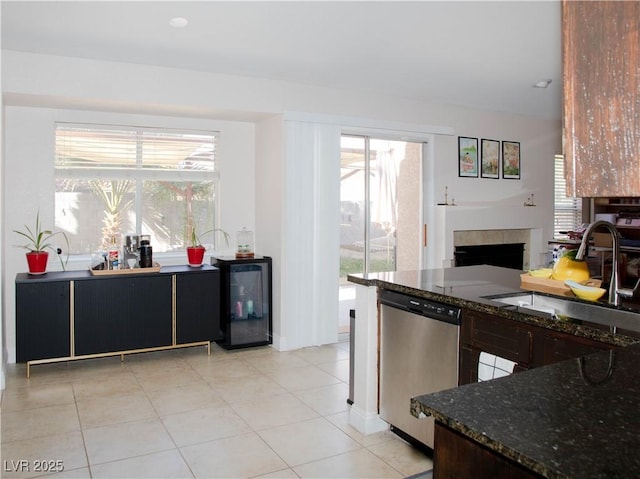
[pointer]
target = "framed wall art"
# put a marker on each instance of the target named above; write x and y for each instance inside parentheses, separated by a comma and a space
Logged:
(489, 158)
(467, 157)
(511, 160)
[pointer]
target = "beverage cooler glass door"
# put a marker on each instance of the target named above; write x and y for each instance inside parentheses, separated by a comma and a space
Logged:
(249, 320)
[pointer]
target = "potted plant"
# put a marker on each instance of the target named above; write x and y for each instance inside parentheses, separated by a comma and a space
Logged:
(39, 242)
(195, 252)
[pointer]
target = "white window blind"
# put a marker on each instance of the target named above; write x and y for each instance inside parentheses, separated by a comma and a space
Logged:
(567, 210)
(116, 180)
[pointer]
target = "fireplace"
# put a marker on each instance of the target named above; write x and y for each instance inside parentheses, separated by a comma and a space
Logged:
(508, 255)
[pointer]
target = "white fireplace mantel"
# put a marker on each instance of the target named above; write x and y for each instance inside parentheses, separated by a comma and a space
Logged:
(445, 220)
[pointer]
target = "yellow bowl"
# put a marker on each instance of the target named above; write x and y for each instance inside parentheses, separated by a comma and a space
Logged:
(541, 273)
(588, 293)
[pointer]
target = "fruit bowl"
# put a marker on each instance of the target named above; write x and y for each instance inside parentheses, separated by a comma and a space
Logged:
(588, 293)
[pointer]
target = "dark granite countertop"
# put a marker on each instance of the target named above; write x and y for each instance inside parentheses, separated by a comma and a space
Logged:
(468, 286)
(574, 419)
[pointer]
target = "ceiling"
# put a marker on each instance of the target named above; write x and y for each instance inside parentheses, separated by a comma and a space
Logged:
(478, 54)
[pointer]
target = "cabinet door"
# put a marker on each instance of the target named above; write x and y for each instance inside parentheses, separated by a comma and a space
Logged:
(552, 347)
(122, 313)
(42, 320)
(457, 456)
(198, 307)
(492, 334)
(601, 55)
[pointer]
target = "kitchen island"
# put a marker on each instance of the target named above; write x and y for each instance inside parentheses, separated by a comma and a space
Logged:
(575, 419)
(525, 419)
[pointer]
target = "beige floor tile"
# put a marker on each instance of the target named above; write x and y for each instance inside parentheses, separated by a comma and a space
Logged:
(326, 399)
(238, 456)
(170, 378)
(255, 387)
(338, 369)
(354, 464)
(157, 362)
(307, 377)
(287, 473)
(185, 398)
(201, 425)
(264, 413)
(105, 384)
(53, 394)
(66, 448)
(271, 362)
(113, 409)
(307, 441)
(16, 375)
(125, 440)
(81, 473)
(160, 465)
(402, 457)
(342, 421)
(87, 369)
(226, 369)
(210, 405)
(322, 354)
(43, 421)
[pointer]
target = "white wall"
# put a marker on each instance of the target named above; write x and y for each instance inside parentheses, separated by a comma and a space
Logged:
(92, 89)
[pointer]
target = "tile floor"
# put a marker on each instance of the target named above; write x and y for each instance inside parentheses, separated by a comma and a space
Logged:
(182, 414)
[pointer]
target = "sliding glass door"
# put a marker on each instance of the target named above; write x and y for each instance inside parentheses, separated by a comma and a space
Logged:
(380, 210)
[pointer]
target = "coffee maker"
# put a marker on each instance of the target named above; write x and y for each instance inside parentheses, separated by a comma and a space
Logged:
(130, 254)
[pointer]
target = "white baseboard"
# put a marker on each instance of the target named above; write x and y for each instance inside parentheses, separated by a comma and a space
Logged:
(366, 423)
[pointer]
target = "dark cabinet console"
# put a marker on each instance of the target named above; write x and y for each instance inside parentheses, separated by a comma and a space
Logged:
(62, 316)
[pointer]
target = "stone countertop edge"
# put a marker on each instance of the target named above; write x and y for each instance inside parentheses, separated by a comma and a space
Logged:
(475, 302)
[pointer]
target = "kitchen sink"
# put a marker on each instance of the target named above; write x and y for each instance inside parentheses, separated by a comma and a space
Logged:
(568, 309)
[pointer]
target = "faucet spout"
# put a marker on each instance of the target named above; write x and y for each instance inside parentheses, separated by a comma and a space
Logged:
(614, 283)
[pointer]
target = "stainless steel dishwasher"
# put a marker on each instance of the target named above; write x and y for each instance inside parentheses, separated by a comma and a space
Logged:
(418, 355)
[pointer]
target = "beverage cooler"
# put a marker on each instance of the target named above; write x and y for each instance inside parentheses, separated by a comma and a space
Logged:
(245, 301)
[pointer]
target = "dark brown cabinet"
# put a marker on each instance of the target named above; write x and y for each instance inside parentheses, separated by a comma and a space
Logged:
(527, 345)
(552, 347)
(456, 456)
(601, 58)
(495, 335)
(73, 315)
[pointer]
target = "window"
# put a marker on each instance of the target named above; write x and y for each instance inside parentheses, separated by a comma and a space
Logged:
(117, 180)
(567, 210)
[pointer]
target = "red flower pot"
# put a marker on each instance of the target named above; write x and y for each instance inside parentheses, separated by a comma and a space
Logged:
(195, 255)
(37, 261)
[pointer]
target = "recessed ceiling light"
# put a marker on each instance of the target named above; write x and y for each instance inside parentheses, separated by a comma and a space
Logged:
(542, 83)
(178, 22)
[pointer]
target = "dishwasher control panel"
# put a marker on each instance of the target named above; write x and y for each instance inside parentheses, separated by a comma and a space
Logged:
(421, 306)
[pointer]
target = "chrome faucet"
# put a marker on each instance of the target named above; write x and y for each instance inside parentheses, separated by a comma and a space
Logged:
(615, 291)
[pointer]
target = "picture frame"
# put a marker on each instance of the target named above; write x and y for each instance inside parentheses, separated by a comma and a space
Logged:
(490, 158)
(511, 168)
(467, 157)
